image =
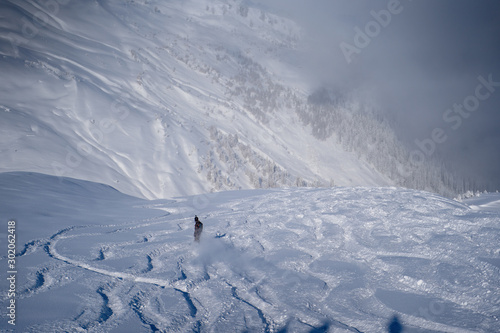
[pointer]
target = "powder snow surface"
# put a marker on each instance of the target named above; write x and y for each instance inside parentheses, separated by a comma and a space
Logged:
(91, 259)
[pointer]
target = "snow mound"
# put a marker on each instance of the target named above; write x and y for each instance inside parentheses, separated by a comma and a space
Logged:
(339, 259)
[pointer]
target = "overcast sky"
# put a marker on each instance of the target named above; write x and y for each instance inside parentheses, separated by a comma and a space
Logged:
(418, 59)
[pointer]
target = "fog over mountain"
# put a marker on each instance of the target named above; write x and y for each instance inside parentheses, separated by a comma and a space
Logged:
(161, 99)
(421, 60)
(322, 145)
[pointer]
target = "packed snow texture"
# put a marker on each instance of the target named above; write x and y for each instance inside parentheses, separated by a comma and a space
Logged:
(284, 260)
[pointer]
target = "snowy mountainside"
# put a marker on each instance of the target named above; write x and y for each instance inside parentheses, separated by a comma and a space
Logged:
(92, 259)
(160, 99)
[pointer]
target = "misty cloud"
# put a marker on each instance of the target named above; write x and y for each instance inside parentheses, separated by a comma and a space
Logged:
(416, 63)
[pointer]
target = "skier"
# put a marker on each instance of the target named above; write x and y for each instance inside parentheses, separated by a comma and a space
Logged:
(198, 228)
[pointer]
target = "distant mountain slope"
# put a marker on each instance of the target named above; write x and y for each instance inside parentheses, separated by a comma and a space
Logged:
(160, 99)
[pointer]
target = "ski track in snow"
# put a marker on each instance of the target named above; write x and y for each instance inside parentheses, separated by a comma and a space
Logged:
(289, 260)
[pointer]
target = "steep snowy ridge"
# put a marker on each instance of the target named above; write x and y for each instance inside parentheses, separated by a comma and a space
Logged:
(280, 260)
(131, 93)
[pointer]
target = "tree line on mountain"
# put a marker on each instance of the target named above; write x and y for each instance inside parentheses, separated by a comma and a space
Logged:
(356, 126)
(330, 115)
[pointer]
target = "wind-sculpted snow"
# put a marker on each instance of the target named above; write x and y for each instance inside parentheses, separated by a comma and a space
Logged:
(176, 98)
(288, 260)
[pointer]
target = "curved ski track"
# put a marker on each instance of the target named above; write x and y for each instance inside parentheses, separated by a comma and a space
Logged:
(322, 263)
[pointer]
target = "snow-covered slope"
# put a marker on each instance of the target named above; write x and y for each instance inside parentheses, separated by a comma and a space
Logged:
(181, 97)
(91, 259)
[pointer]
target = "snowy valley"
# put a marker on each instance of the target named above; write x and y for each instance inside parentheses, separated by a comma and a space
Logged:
(122, 120)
